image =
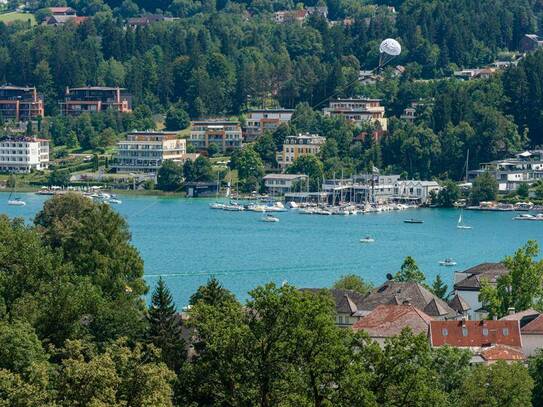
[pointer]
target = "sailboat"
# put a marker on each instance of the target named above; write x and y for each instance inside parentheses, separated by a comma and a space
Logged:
(460, 224)
(217, 204)
(15, 201)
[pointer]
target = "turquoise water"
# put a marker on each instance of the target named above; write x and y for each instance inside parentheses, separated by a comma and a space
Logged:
(186, 242)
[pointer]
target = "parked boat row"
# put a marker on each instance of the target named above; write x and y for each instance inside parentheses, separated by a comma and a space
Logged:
(526, 216)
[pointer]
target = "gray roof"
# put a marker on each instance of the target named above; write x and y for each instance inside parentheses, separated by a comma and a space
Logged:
(485, 271)
(393, 292)
(459, 304)
(347, 301)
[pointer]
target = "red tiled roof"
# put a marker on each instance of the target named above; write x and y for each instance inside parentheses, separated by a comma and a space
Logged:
(534, 327)
(390, 320)
(502, 352)
(469, 334)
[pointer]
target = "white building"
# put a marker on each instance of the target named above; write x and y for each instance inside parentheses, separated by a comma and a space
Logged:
(23, 154)
(260, 121)
(225, 134)
(145, 151)
(415, 191)
(525, 167)
(298, 146)
(280, 184)
(358, 111)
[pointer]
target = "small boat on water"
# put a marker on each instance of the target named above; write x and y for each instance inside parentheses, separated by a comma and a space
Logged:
(269, 218)
(461, 224)
(216, 205)
(367, 239)
(16, 202)
(526, 216)
(115, 201)
(412, 220)
(448, 262)
(234, 207)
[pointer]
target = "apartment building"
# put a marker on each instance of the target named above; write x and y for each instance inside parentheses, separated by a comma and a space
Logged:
(225, 134)
(260, 121)
(23, 154)
(92, 99)
(145, 151)
(20, 103)
(358, 111)
(298, 146)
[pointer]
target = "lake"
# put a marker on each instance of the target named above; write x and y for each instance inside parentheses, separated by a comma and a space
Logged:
(185, 242)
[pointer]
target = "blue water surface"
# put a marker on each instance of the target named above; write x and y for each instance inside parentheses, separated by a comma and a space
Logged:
(185, 242)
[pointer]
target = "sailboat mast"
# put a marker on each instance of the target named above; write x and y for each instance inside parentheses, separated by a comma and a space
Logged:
(467, 165)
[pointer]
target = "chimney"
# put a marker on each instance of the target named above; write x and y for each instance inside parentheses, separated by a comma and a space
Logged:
(511, 310)
(495, 318)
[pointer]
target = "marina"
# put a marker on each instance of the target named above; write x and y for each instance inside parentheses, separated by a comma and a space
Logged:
(186, 242)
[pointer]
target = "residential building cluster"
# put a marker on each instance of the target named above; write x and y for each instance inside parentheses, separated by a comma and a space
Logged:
(359, 111)
(20, 103)
(459, 322)
(225, 134)
(23, 154)
(299, 146)
(62, 15)
(525, 167)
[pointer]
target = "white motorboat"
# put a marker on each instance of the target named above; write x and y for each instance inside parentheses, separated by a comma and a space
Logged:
(115, 201)
(256, 208)
(216, 205)
(234, 207)
(367, 239)
(307, 211)
(527, 216)
(292, 205)
(16, 202)
(448, 262)
(269, 218)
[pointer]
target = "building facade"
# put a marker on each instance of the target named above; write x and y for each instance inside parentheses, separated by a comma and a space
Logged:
(359, 111)
(260, 121)
(23, 154)
(20, 103)
(92, 99)
(146, 151)
(525, 167)
(280, 184)
(299, 146)
(413, 191)
(225, 134)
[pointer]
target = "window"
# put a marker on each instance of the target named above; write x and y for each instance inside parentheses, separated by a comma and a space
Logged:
(485, 331)
(464, 331)
(505, 331)
(445, 332)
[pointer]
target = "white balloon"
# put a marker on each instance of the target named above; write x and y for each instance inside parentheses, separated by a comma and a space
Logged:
(390, 47)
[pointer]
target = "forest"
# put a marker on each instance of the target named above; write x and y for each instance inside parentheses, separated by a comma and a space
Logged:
(77, 330)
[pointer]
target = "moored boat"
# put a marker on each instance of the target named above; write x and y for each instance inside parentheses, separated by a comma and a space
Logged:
(412, 220)
(448, 262)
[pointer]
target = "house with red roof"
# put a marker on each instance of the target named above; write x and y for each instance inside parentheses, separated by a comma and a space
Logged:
(489, 341)
(532, 336)
(389, 320)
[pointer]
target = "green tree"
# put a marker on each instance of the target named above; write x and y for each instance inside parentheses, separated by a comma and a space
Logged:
(212, 293)
(523, 190)
(165, 327)
(353, 282)
(59, 178)
(499, 384)
(202, 170)
(521, 288)
(485, 188)
(170, 176)
(247, 162)
(176, 119)
(535, 366)
(11, 182)
(265, 147)
(20, 348)
(410, 272)
(310, 166)
(439, 288)
(213, 149)
(448, 195)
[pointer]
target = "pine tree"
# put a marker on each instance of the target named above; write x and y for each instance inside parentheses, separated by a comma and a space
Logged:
(165, 327)
(439, 288)
(213, 293)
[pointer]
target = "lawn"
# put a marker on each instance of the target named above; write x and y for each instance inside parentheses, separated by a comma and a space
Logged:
(14, 16)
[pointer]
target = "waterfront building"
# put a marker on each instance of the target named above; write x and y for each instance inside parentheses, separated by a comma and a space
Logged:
(280, 184)
(260, 121)
(23, 154)
(489, 341)
(467, 284)
(224, 133)
(388, 320)
(92, 99)
(347, 305)
(20, 103)
(525, 167)
(395, 292)
(414, 191)
(358, 110)
(145, 151)
(299, 146)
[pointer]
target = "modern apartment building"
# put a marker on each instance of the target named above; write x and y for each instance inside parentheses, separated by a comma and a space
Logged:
(145, 151)
(358, 111)
(91, 99)
(260, 121)
(298, 146)
(23, 154)
(20, 103)
(225, 134)
(525, 167)
(280, 184)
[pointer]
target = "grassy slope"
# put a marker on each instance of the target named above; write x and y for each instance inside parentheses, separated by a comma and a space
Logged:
(14, 16)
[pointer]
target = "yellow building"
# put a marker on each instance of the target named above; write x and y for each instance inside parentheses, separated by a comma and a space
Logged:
(298, 146)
